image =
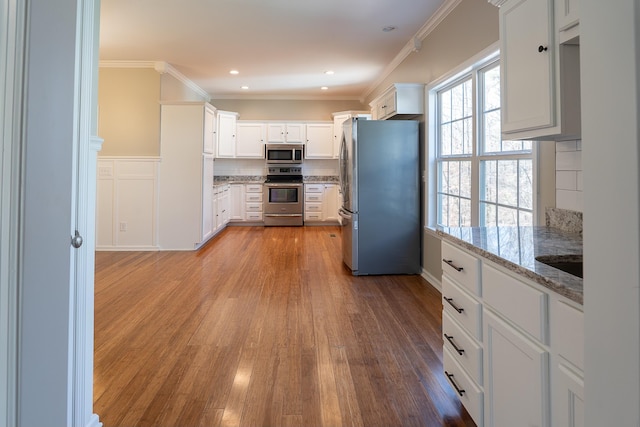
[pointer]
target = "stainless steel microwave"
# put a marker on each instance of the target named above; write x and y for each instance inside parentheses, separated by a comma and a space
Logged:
(284, 153)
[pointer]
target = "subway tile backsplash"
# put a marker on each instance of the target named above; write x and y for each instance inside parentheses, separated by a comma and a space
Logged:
(569, 175)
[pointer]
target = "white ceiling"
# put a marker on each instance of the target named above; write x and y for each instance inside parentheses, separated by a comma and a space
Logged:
(281, 48)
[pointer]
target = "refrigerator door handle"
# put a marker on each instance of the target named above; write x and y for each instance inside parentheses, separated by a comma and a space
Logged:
(344, 214)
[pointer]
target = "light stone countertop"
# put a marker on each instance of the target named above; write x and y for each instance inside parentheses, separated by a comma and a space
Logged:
(238, 179)
(252, 179)
(312, 179)
(516, 248)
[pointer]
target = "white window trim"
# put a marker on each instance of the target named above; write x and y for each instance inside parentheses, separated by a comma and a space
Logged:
(431, 130)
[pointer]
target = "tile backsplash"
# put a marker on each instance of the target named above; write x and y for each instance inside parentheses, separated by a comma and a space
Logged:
(569, 175)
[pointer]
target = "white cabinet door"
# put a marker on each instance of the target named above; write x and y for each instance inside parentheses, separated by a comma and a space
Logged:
(209, 144)
(226, 142)
(527, 65)
(236, 202)
(516, 377)
(295, 132)
(207, 196)
(330, 203)
(250, 139)
(319, 141)
(286, 132)
(224, 204)
(569, 404)
(338, 122)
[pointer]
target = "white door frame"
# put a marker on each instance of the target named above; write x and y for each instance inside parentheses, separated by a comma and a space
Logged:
(46, 321)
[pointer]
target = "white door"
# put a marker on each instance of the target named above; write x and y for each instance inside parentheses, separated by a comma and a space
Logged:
(58, 148)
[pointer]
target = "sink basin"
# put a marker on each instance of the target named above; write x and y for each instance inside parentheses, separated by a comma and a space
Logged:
(571, 264)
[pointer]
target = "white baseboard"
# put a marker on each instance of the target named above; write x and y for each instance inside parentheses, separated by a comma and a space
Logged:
(94, 421)
(433, 281)
(127, 248)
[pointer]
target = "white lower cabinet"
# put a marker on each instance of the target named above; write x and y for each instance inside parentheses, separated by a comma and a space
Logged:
(321, 203)
(512, 345)
(245, 203)
(517, 376)
(236, 202)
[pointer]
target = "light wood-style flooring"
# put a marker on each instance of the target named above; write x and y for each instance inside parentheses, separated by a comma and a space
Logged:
(264, 326)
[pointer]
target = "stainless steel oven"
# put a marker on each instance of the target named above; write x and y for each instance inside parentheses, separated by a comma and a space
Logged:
(283, 196)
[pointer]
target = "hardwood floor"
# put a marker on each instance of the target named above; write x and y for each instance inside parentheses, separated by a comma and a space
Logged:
(265, 327)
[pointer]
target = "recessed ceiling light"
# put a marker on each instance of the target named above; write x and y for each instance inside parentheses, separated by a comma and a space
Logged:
(244, 87)
(329, 72)
(324, 88)
(234, 72)
(389, 28)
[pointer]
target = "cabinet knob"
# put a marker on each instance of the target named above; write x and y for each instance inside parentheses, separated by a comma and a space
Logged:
(542, 48)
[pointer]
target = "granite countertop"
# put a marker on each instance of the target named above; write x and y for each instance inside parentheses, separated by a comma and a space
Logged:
(326, 179)
(238, 179)
(249, 179)
(516, 248)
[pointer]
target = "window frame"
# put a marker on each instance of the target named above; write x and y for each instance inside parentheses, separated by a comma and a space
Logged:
(470, 69)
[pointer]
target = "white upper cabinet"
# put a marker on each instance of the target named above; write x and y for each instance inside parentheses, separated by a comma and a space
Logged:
(209, 144)
(226, 141)
(567, 19)
(250, 139)
(338, 121)
(540, 79)
(286, 132)
(404, 99)
(319, 144)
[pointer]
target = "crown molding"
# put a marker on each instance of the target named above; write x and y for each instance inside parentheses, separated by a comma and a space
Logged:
(162, 68)
(415, 43)
(287, 97)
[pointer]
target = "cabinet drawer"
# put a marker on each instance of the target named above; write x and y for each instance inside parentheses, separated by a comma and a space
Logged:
(253, 207)
(314, 188)
(472, 397)
(471, 357)
(313, 216)
(313, 197)
(461, 266)
(313, 207)
(517, 301)
(253, 197)
(253, 216)
(253, 188)
(568, 333)
(462, 307)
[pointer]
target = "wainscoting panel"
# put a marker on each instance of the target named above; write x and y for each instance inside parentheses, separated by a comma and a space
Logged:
(127, 204)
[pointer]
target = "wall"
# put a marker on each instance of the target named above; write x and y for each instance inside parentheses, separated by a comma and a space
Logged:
(569, 175)
(610, 46)
(172, 89)
(468, 29)
(256, 109)
(128, 111)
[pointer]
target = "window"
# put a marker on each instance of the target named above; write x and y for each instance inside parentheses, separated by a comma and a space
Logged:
(481, 179)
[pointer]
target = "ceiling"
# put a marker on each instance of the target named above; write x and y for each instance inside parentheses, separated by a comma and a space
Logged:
(281, 48)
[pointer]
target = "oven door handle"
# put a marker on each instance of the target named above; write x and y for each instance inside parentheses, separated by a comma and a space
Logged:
(344, 214)
(283, 185)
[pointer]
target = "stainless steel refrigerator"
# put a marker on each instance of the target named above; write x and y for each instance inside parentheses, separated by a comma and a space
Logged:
(380, 185)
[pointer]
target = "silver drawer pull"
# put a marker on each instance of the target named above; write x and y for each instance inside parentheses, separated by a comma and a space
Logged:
(450, 301)
(450, 339)
(453, 383)
(452, 265)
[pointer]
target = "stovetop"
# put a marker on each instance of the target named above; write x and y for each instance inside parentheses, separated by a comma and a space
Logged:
(284, 174)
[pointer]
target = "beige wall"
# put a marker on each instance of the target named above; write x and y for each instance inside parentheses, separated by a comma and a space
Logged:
(468, 29)
(252, 109)
(128, 111)
(172, 89)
